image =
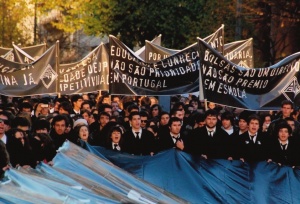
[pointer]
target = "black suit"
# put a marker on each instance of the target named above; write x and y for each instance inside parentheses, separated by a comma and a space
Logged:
(166, 141)
(250, 151)
(289, 156)
(143, 146)
(214, 147)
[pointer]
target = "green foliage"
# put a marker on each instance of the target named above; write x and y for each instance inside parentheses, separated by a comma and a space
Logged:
(13, 22)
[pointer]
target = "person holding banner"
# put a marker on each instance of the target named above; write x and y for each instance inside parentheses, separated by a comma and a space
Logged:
(284, 150)
(209, 141)
(252, 145)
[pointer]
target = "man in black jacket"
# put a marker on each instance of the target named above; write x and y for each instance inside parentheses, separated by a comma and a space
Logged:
(138, 141)
(173, 139)
(210, 141)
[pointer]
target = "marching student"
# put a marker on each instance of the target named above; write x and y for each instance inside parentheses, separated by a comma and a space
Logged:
(252, 145)
(284, 150)
(138, 141)
(210, 141)
(173, 139)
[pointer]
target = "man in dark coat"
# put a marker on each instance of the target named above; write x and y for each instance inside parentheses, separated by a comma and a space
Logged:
(210, 141)
(138, 141)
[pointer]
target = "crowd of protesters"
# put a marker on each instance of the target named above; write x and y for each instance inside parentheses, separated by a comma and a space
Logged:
(33, 128)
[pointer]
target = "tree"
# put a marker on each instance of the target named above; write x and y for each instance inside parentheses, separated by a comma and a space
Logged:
(14, 20)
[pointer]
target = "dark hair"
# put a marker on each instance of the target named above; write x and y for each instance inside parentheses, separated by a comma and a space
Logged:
(25, 105)
(163, 113)
(41, 124)
(144, 114)
(173, 119)
(86, 102)
(133, 114)
(253, 117)
(60, 118)
(20, 121)
(200, 118)
(287, 102)
(132, 106)
(154, 128)
(210, 112)
(154, 106)
(103, 106)
(283, 125)
(66, 106)
(75, 98)
(104, 113)
(227, 116)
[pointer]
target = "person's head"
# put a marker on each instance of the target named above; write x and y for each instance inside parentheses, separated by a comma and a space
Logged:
(153, 100)
(59, 124)
(25, 107)
(58, 101)
(194, 103)
(21, 123)
(104, 118)
(41, 126)
(155, 110)
(115, 134)
(82, 131)
(175, 125)
(135, 120)
(144, 119)
(283, 131)
(211, 105)
(4, 122)
(200, 120)
(227, 120)
(133, 108)
(44, 105)
(164, 118)
(115, 106)
(211, 118)
(105, 108)
(85, 114)
(291, 122)
(287, 107)
(86, 105)
(179, 113)
(19, 135)
(188, 109)
(253, 123)
(65, 108)
(267, 119)
(76, 101)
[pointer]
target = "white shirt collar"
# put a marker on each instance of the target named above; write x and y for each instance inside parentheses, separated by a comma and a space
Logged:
(4, 138)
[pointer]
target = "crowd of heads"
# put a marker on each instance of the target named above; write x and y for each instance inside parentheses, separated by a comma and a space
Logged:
(33, 128)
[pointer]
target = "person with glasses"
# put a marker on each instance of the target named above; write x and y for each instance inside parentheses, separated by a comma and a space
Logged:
(144, 119)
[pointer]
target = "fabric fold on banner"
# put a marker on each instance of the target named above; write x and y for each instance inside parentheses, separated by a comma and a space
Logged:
(212, 181)
(178, 74)
(254, 89)
(79, 177)
(88, 75)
